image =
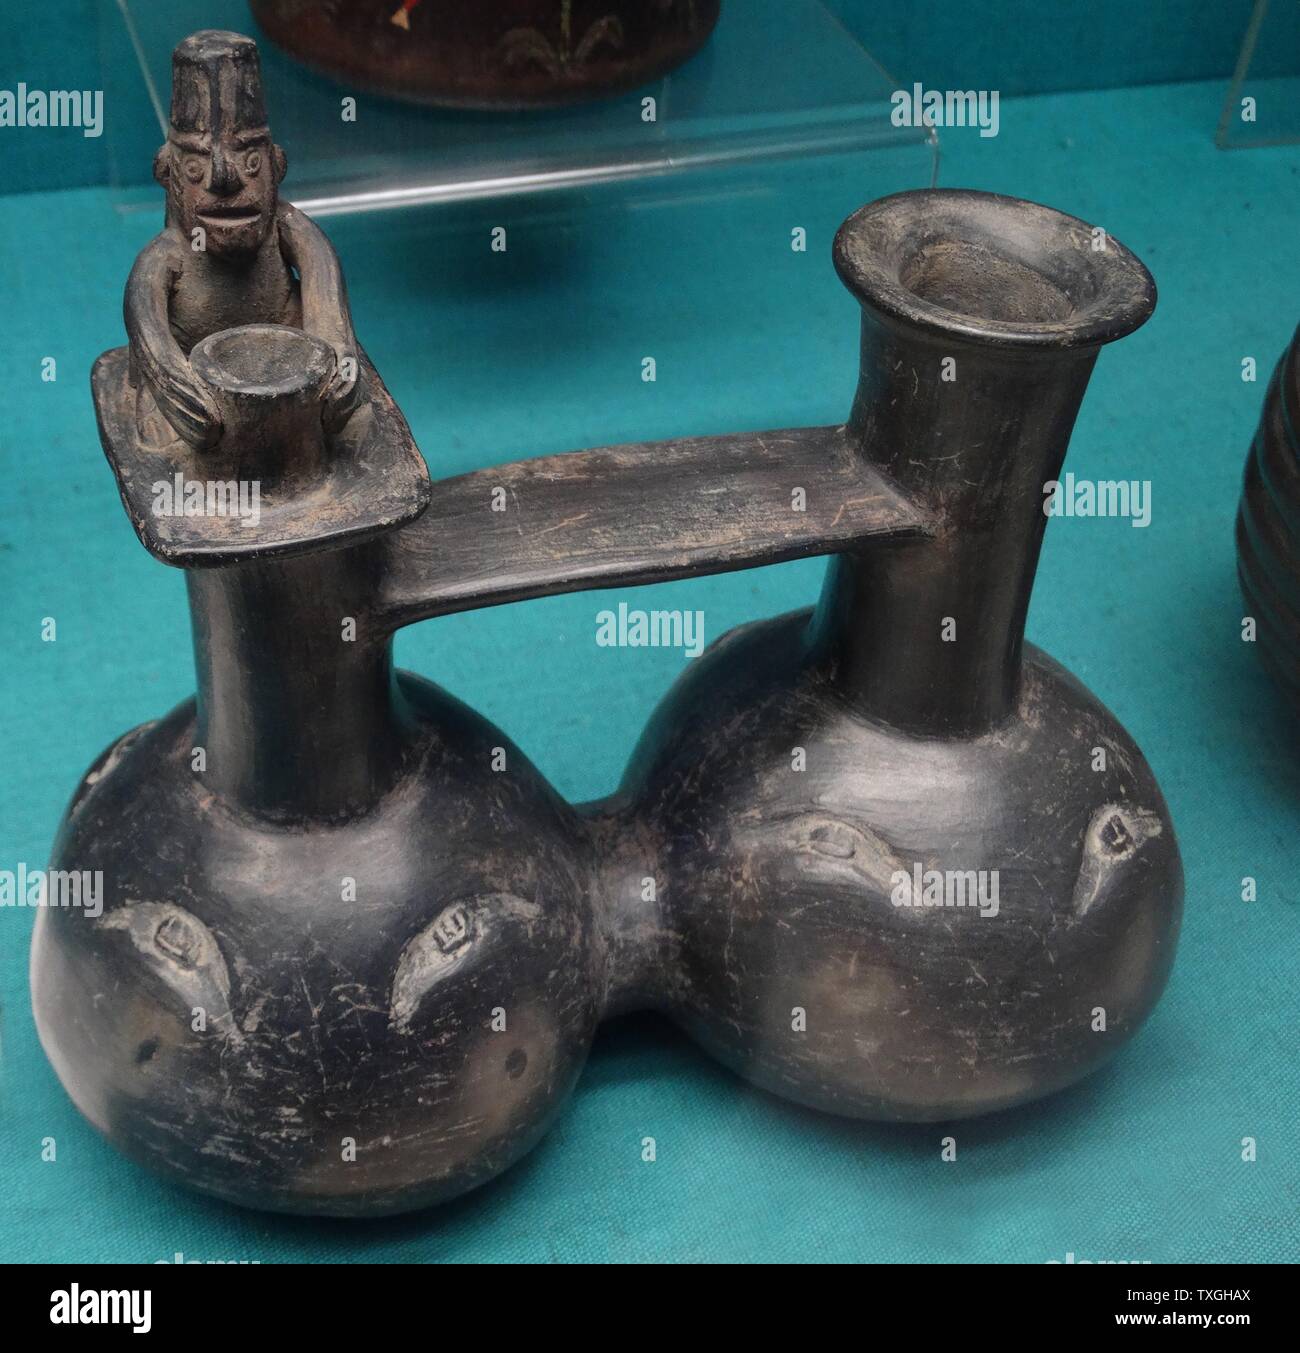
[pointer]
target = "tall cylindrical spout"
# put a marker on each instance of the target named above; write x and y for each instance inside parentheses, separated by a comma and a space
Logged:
(982, 318)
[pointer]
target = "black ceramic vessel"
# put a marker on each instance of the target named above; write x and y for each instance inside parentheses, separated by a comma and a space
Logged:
(805, 766)
(879, 858)
(1268, 527)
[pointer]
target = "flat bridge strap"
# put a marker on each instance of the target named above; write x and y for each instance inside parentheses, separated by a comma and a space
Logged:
(640, 513)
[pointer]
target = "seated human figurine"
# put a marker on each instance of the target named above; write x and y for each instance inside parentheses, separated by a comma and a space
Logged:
(231, 253)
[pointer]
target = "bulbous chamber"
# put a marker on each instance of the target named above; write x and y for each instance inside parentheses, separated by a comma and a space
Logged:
(348, 1019)
(911, 869)
(894, 926)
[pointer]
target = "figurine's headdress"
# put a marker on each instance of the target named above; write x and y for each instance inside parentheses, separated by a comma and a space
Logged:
(216, 81)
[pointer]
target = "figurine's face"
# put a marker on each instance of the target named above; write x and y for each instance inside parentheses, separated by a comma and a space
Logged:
(224, 184)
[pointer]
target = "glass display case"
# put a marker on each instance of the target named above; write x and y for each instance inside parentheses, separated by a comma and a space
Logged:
(1262, 107)
(357, 151)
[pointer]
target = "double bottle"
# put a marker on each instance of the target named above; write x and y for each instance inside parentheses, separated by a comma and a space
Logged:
(866, 854)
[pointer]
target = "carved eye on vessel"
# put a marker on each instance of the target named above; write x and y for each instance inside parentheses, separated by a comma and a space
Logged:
(182, 951)
(194, 168)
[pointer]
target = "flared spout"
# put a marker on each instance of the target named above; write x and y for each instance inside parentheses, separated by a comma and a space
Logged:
(982, 318)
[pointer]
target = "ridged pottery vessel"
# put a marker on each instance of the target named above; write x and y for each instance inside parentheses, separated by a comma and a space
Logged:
(1268, 526)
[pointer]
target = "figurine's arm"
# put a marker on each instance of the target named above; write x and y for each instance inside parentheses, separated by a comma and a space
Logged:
(324, 305)
(156, 357)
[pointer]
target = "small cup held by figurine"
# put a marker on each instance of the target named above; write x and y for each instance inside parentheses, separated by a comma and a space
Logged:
(268, 382)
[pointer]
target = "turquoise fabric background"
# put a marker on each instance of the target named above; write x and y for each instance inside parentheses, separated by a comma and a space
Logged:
(494, 357)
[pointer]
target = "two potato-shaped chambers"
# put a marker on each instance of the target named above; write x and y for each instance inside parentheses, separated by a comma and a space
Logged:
(376, 1015)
